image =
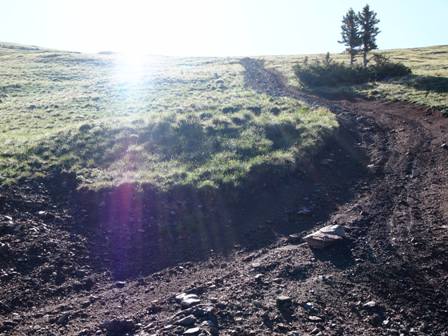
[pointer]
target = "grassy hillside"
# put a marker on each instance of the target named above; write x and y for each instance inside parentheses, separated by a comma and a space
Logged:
(163, 121)
(428, 85)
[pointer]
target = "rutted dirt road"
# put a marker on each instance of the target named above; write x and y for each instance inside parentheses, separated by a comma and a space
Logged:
(389, 278)
(403, 227)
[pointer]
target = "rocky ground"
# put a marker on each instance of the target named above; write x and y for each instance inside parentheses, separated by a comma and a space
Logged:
(383, 180)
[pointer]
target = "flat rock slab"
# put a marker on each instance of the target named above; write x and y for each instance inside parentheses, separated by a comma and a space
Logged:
(188, 300)
(325, 236)
(192, 331)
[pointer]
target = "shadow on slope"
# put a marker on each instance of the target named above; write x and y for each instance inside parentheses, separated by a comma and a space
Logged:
(428, 83)
(136, 230)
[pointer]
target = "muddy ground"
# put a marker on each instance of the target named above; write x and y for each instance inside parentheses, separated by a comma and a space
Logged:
(82, 263)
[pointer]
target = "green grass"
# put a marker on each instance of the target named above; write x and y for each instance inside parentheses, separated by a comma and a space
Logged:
(163, 121)
(169, 121)
(428, 86)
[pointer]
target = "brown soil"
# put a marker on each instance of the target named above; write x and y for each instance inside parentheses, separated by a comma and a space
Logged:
(84, 263)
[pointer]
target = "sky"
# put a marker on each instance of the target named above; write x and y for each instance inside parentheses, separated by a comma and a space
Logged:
(214, 27)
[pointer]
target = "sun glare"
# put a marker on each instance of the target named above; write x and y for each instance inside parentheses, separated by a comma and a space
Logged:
(130, 66)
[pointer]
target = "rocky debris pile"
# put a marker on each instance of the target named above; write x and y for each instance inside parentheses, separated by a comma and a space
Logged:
(325, 236)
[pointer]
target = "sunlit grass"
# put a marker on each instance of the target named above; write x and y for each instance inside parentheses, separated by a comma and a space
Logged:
(126, 118)
(166, 121)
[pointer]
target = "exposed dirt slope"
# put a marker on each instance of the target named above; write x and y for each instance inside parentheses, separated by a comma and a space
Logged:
(384, 178)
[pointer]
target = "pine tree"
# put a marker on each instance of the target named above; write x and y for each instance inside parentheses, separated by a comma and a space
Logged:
(350, 34)
(327, 59)
(369, 30)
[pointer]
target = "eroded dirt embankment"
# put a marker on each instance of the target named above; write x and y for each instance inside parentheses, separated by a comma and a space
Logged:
(136, 230)
(383, 177)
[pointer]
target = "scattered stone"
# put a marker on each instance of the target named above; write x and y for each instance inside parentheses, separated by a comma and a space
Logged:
(444, 146)
(208, 323)
(45, 214)
(188, 300)
(187, 321)
(192, 331)
(206, 311)
(325, 236)
(4, 249)
(154, 308)
(196, 290)
(210, 327)
(120, 284)
(284, 303)
(84, 332)
(305, 211)
(310, 307)
(281, 299)
(63, 319)
(85, 303)
(281, 327)
(294, 239)
(119, 327)
(315, 331)
(314, 318)
(255, 265)
(370, 305)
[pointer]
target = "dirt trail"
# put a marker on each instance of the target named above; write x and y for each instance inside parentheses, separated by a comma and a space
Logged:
(389, 278)
(403, 229)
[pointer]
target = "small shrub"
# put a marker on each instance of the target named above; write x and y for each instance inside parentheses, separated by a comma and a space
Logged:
(330, 73)
(383, 68)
